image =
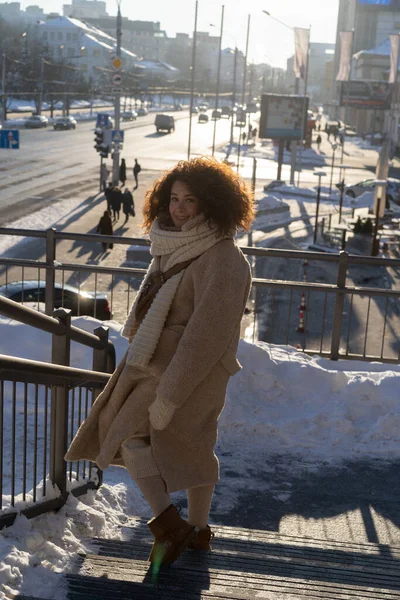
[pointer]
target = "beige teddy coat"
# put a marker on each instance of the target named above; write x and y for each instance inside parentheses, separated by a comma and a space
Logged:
(194, 358)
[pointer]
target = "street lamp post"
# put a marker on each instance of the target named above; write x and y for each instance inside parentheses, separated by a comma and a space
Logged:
(334, 147)
(218, 76)
(117, 104)
(192, 83)
(380, 185)
(318, 174)
(342, 186)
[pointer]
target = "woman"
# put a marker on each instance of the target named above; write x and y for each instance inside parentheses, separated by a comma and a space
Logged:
(128, 205)
(105, 227)
(122, 172)
(158, 414)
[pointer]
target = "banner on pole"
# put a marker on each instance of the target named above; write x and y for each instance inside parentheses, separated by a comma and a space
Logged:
(301, 42)
(394, 57)
(282, 116)
(346, 44)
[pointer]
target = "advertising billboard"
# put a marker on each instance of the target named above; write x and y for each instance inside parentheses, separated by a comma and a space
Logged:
(375, 95)
(282, 116)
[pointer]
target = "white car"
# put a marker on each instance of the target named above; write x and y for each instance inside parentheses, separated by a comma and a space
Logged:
(392, 192)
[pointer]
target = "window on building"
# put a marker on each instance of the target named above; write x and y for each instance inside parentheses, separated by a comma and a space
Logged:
(45, 35)
(96, 52)
(70, 52)
(59, 36)
(74, 37)
(52, 36)
(68, 37)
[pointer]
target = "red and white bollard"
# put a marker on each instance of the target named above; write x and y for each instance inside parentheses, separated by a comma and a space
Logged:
(300, 327)
(305, 275)
(303, 302)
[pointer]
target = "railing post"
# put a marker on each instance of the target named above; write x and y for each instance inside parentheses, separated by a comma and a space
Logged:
(103, 362)
(50, 272)
(339, 304)
(60, 355)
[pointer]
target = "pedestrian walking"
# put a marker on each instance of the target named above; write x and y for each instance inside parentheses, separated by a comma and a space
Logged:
(318, 142)
(244, 137)
(136, 170)
(105, 228)
(158, 413)
(104, 173)
(108, 194)
(128, 205)
(116, 199)
(122, 172)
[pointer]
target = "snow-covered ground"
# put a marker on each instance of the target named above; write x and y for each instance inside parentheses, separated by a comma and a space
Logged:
(282, 401)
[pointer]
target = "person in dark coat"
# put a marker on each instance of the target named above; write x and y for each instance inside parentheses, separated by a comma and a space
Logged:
(128, 205)
(122, 171)
(108, 193)
(116, 199)
(105, 228)
(136, 170)
(318, 142)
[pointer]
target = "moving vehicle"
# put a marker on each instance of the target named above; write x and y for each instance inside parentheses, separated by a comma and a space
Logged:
(178, 107)
(164, 123)
(195, 110)
(226, 111)
(216, 114)
(203, 106)
(36, 121)
(203, 118)
(392, 190)
(67, 296)
(142, 112)
(129, 115)
(65, 123)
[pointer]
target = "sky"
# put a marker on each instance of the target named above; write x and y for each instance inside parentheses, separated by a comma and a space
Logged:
(269, 41)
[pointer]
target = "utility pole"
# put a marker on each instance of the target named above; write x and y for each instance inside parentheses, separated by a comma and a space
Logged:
(3, 86)
(293, 144)
(218, 76)
(233, 93)
(115, 176)
(243, 88)
(41, 86)
(193, 79)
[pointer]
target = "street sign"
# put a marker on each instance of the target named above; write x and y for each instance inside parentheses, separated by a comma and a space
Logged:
(102, 120)
(117, 136)
(9, 138)
(117, 63)
(117, 78)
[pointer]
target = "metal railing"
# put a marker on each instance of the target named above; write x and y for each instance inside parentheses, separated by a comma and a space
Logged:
(344, 317)
(41, 407)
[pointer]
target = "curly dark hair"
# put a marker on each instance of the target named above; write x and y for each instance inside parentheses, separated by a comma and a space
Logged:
(225, 199)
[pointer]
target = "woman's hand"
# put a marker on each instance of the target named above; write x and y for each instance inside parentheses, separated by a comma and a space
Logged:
(161, 413)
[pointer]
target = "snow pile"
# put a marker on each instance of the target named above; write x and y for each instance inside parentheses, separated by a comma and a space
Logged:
(286, 401)
(281, 402)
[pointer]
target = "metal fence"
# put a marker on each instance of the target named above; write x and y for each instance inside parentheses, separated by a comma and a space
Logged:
(41, 407)
(352, 303)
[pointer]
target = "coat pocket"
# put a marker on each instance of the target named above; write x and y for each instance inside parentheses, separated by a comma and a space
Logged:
(230, 362)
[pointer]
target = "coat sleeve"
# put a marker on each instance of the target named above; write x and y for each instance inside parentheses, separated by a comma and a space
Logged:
(221, 291)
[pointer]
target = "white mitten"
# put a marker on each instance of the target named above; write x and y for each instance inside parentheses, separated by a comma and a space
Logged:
(161, 413)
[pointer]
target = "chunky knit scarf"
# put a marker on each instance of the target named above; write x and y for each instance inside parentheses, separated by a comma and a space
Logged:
(195, 237)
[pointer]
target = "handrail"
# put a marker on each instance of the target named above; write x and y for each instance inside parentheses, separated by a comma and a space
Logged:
(22, 369)
(32, 317)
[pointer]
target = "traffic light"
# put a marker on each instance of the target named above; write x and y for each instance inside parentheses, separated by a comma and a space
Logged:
(100, 143)
(98, 139)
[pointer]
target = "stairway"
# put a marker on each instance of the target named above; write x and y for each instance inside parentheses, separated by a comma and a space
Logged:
(244, 564)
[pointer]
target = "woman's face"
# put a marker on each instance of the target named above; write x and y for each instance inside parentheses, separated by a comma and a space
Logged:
(183, 205)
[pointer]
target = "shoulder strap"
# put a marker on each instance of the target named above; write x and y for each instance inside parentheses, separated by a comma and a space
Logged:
(176, 269)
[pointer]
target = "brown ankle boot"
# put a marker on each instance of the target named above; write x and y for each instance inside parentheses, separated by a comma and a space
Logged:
(202, 540)
(172, 535)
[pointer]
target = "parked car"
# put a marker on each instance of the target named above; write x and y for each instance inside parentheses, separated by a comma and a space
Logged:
(178, 107)
(67, 296)
(203, 106)
(195, 110)
(203, 118)
(164, 123)
(142, 112)
(65, 123)
(253, 107)
(216, 114)
(392, 191)
(36, 121)
(129, 115)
